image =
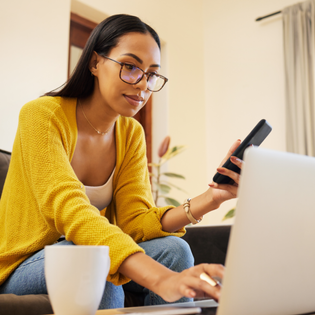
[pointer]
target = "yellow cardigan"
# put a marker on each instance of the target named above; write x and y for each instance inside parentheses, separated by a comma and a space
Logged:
(43, 199)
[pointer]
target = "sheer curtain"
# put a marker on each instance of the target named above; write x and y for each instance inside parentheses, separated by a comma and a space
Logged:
(299, 58)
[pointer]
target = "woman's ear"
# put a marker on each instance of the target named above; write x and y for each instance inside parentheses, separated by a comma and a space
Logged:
(94, 62)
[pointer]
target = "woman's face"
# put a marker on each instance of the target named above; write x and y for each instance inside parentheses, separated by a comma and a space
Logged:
(124, 99)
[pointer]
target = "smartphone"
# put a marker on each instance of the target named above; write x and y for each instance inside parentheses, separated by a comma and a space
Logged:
(255, 137)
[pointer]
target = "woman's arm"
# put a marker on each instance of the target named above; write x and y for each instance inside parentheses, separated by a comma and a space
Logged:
(176, 218)
(133, 207)
(168, 284)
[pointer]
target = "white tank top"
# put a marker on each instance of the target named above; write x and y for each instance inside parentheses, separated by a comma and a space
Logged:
(101, 196)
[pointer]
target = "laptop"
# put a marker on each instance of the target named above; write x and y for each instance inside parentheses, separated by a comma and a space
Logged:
(270, 264)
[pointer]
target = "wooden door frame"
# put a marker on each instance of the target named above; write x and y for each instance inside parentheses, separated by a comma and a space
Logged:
(80, 30)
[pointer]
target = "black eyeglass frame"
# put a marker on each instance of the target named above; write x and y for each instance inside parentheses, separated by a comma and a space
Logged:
(148, 74)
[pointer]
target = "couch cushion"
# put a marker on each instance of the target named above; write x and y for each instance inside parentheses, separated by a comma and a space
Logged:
(12, 304)
(4, 165)
(208, 243)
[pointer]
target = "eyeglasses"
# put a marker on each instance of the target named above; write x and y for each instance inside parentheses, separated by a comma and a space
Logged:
(132, 75)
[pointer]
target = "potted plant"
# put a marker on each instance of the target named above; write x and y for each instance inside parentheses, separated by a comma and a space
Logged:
(161, 185)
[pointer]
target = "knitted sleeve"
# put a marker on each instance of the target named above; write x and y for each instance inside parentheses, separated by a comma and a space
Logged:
(62, 206)
(136, 212)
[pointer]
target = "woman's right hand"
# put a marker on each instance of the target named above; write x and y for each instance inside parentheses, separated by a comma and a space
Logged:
(188, 283)
(171, 285)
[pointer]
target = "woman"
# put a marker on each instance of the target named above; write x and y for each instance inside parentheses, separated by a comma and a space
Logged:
(78, 169)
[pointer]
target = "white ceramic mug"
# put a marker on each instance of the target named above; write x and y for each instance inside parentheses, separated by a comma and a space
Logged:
(76, 277)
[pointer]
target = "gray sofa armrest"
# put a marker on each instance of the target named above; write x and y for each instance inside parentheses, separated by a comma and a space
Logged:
(208, 243)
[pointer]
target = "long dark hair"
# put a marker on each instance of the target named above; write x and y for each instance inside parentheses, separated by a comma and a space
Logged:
(104, 37)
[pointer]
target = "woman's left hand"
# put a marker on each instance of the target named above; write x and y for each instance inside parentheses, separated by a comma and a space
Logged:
(210, 200)
(223, 192)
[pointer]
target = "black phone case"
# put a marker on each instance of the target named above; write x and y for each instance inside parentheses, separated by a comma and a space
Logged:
(255, 137)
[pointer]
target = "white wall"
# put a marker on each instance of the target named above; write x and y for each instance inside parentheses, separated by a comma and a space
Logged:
(244, 76)
(33, 57)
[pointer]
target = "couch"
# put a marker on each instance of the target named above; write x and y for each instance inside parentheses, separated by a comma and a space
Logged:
(208, 244)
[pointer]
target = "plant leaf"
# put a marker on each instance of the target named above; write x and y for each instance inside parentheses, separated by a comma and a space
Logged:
(171, 201)
(173, 175)
(177, 149)
(172, 152)
(172, 185)
(230, 214)
(164, 146)
(164, 188)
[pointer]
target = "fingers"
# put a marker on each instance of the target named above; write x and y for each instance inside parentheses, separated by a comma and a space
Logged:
(187, 291)
(203, 276)
(200, 284)
(231, 150)
(215, 273)
(213, 270)
(200, 288)
(233, 175)
(189, 284)
(234, 146)
(232, 189)
(238, 162)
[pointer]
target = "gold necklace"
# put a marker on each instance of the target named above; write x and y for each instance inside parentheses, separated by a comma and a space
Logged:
(99, 132)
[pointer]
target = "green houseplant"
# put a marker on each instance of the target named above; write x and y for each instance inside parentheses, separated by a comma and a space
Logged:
(230, 214)
(161, 185)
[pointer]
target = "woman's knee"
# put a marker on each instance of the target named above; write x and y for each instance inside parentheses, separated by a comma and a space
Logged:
(181, 251)
(171, 251)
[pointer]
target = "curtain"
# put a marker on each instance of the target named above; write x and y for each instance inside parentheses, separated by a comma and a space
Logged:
(299, 58)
